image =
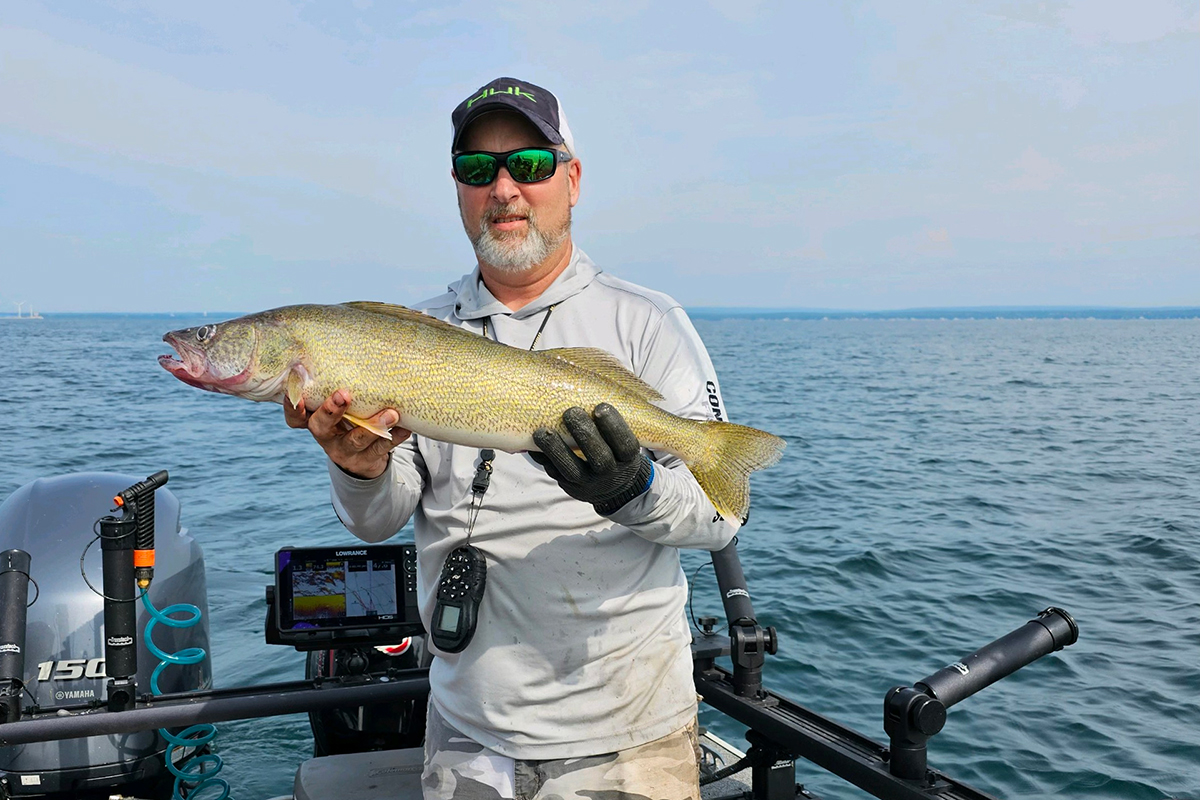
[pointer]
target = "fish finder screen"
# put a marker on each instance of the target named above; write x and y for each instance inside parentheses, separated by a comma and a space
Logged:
(338, 588)
(358, 592)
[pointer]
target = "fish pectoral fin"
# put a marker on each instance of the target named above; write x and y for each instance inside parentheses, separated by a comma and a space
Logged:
(296, 383)
(382, 433)
(605, 365)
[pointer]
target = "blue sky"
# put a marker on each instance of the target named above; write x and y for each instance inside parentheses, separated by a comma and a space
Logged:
(863, 155)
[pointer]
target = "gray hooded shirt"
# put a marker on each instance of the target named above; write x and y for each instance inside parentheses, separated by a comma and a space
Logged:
(582, 646)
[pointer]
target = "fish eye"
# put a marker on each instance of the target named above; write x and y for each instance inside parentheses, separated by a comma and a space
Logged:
(205, 333)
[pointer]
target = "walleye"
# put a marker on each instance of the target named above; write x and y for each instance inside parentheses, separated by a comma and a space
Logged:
(454, 386)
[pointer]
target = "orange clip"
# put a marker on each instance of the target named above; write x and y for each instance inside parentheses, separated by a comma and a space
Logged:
(143, 558)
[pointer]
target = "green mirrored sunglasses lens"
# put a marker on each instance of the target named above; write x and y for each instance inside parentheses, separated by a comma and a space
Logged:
(475, 169)
(527, 166)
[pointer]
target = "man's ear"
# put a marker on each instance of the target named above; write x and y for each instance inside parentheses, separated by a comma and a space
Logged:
(574, 173)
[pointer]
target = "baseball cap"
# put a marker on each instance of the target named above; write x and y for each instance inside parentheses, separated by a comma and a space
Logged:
(533, 102)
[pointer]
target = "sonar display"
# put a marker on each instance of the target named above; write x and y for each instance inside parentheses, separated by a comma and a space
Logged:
(340, 588)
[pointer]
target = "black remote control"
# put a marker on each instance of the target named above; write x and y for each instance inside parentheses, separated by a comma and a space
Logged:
(459, 592)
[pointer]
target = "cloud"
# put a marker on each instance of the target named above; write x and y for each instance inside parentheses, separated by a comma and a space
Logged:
(1171, 186)
(1070, 88)
(300, 146)
(79, 98)
(928, 242)
(1034, 173)
(739, 11)
(1094, 22)
(1124, 150)
(814, 250)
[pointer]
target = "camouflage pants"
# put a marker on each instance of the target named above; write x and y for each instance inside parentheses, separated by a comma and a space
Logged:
(457, 768)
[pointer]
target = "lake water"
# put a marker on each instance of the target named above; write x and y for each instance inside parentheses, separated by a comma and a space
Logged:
(944, 482)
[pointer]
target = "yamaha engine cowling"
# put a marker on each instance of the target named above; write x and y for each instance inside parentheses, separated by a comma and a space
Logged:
(53, 519)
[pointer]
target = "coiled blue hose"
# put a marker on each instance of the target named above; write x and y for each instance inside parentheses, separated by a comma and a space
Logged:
(200, 773)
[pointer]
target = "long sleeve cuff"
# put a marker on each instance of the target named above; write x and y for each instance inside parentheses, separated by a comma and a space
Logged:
(676, 512)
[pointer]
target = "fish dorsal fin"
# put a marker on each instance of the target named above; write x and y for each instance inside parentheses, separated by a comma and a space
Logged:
(606, 365)
(408, 314)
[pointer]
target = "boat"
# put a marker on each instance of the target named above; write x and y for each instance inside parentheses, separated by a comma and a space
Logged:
(99, 673)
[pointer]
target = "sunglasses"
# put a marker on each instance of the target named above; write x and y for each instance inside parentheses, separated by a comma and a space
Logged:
(529, 165)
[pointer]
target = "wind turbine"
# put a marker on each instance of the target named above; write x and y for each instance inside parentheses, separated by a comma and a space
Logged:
(19, 306)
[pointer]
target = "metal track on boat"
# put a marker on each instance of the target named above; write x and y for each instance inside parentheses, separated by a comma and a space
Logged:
(844, 752)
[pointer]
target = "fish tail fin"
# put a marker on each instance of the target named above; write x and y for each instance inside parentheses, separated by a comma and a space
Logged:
(728, 453)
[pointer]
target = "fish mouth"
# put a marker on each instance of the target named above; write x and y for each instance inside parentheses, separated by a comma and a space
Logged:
(191, 364)
(180, 370)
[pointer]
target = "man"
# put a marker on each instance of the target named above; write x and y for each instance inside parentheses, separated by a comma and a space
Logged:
(578, 677)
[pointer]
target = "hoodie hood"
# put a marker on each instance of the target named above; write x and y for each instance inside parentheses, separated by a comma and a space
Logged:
(473, 300)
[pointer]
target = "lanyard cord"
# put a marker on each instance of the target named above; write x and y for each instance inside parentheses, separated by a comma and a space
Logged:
(536, 336)
(483, 473)
(479, 485)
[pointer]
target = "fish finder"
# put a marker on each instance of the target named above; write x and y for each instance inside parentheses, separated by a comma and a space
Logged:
(333, 596)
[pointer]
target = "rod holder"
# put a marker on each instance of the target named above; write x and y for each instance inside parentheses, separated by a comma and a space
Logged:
(117, 538)
(749, 642)
(911, 716)
(14, 597)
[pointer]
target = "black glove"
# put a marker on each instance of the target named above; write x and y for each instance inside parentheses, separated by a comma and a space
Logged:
(616, 470)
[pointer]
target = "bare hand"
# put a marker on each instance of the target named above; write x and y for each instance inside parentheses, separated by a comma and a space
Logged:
(356, 450)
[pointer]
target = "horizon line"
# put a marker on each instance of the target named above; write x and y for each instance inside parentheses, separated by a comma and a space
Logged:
(729, 310)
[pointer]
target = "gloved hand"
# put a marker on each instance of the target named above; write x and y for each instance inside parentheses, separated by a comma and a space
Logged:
(615, 472)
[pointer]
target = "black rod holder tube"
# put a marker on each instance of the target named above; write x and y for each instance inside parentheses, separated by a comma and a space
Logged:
(749, 642)
(14, 597)
(216, 706)
(120, 615)
(732, 582)
(1053, 629)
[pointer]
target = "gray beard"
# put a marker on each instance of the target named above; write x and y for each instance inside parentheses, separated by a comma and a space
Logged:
(513, 253)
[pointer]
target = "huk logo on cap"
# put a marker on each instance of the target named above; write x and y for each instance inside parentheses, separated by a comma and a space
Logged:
(535, 103)
(490, 92)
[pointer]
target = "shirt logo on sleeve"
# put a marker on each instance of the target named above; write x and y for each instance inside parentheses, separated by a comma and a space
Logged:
(714, 402)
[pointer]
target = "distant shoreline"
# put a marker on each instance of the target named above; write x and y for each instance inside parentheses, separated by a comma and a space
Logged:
(717, 313)
(966, 313)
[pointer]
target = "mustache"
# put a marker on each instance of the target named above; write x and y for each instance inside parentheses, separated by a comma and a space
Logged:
(509, 210)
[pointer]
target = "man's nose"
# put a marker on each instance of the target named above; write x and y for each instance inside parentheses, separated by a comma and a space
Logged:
(504, 188)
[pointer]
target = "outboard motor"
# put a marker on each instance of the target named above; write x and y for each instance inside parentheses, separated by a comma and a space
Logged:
(54, 519)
